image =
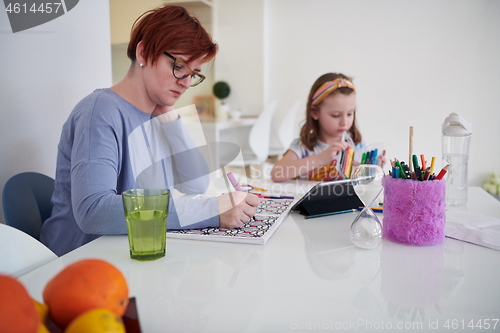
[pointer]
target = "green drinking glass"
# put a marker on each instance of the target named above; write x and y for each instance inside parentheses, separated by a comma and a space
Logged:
(146, 212)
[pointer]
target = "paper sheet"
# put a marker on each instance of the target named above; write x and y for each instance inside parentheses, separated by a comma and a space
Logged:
(473, 228)
(270, 214)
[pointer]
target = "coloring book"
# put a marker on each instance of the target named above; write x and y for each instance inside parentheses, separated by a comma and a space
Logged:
(270, 214)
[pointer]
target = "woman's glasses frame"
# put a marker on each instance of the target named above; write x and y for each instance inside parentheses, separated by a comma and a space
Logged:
(179, 65)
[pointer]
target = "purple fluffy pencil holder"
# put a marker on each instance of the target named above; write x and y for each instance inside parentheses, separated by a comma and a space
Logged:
(414, 211)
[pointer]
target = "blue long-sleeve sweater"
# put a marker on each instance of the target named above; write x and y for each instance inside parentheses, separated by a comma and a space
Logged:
(98, 159)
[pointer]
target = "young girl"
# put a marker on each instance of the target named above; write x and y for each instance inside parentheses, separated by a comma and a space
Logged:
(329, 130)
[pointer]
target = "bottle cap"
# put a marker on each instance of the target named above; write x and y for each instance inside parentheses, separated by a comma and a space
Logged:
(454, 124)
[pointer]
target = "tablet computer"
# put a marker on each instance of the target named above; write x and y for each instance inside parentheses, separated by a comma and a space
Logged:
(329, 197)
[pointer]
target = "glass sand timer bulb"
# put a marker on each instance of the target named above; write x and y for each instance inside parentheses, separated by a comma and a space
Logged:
(366, 229)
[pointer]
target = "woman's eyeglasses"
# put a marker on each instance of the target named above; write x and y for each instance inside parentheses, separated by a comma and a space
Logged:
(181, 70)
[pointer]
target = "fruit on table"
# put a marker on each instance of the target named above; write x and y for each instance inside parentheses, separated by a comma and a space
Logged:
(43, 329)
(96, 321)
(17, 310)
(42, 309)
(84, 285)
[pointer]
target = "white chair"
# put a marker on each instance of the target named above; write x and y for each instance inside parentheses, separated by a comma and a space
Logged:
(286, 130)
(258, 140)
(21, 253)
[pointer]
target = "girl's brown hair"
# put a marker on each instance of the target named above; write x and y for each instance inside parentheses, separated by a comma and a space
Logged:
(170, 28)
(310, 131)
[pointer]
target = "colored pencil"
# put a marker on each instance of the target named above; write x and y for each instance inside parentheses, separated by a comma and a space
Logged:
(376, 210)
(433, 161)
(442, 172)
(411, 148)
(422, 159)
(331, 213)
(275, 197)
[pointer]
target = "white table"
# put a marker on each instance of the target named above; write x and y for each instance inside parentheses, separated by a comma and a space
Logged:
(308, 277)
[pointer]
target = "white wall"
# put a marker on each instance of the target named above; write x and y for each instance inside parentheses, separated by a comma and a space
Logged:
(413, 63)
(239, 32)
(44, 72)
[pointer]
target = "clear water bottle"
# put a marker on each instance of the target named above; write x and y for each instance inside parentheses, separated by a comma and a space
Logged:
(456, 142)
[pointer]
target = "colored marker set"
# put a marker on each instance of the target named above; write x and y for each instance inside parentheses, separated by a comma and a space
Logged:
(345, 165)
(414, 211)
(372, 157)
(416, 171)
(346, 159)
(334, 170)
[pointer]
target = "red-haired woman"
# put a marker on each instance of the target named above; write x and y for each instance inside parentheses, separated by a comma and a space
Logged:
(107, 133)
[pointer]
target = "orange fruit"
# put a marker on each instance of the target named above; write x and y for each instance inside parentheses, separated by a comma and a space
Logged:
(43, 329)
(84, 285)
(17, 310)
(41, 309)
(96, 321)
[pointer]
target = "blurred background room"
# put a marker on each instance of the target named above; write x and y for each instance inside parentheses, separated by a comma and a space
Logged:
(412, 62)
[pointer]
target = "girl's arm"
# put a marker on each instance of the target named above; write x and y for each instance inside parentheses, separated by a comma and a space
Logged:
(290, 166)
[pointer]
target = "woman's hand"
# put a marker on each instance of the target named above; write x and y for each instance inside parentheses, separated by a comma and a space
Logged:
(244, 208)
(166, 114)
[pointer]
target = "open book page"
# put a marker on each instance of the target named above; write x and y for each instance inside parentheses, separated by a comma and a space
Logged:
(270, 214)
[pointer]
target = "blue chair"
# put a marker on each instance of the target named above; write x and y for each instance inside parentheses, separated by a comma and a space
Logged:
(26, 200)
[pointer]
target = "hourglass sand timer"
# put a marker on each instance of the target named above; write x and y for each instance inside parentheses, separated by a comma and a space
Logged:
(366, 229)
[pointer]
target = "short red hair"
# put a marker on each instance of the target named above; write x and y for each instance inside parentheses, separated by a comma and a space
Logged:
(170, 28)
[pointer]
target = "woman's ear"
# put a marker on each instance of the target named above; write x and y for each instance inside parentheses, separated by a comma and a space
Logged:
(139, 51)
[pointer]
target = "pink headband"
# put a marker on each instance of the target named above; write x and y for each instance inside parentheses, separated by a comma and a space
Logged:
(328, 87)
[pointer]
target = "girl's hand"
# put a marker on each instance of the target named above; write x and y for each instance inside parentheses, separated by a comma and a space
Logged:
(382, 162)
(329, 154)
